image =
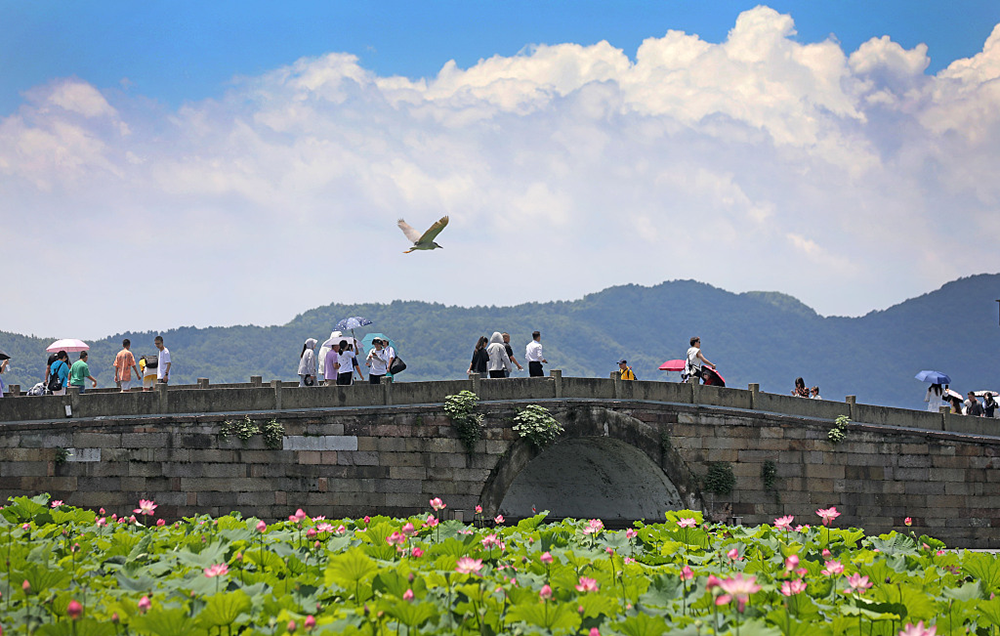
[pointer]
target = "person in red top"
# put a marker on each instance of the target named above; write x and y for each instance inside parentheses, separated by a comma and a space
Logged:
(124, 366)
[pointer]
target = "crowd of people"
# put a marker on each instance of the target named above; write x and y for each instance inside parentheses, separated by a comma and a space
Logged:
(802, 391)
(938, 396)
(62, 374)
(494, 357)
(337, 362)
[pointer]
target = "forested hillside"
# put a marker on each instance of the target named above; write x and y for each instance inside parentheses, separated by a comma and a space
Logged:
(762, 337)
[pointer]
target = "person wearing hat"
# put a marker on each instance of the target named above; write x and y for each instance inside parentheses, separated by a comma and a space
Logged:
(626, 370)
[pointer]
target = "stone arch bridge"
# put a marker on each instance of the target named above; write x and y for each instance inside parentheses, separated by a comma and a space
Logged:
(630, 450)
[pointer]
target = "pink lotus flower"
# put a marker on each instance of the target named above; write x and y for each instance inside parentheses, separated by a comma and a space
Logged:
(57, 503)
(908, 522)
(918, 630)
(367, 520)
(686, 523)
(594, 526)
(300, 514)
(437, 504)
(686, 573)
(261, 526)
(292, 627)
(144, 604)
(801, 528)
(791, 588)
(26, 586)
(631, 534)
(431, 521)
(101, 512)
(417, 553)
(74, 610)
(586, 585)
(791, 562)
(784, 523)
(594, 632)
(545, 593)
(858, 583)
(408, 529)
(468, 565)
(325, 527)
(546, 558)
(479, 510)
(408, 595)
(498, 519)
(828, 515)
(832, 568)
(491, 541)
(826, 553)
(341, 529)
(713, 581)
(160, 523)
(102, 522)
(396, 538)
(219, 569)
(309, 623)
(734, 555)
(311, 533)
(739, 589)
(146, 507)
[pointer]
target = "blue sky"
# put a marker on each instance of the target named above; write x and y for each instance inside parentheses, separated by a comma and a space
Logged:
(179, 51)
(222, 163)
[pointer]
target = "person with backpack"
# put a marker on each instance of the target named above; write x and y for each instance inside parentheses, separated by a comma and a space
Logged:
(693, 367)
(147, 364)
(59, 374)
(625, 370)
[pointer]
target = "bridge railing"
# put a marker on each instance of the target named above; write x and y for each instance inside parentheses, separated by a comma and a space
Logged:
(256, 396)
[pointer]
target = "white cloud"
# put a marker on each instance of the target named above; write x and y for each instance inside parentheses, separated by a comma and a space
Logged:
(735, 163)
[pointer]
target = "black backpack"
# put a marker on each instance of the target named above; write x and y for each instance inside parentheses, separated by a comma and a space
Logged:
(55, 382)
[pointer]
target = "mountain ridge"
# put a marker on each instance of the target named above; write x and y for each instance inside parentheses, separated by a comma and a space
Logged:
(765, 337)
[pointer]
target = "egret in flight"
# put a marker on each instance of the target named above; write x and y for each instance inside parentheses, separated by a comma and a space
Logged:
(423, 241)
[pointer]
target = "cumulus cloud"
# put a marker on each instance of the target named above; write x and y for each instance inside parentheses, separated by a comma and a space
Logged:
(849, 179)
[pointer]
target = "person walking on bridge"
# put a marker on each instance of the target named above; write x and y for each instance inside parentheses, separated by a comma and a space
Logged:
(695, 360)
(625, 370)
(162, 361)
(124, 365)
(533, 355)
(510, 353)
(499, 364)
(307, 363)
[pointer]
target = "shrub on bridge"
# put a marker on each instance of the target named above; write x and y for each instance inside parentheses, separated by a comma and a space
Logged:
(71, 571)
(460, 410)
(537, 425)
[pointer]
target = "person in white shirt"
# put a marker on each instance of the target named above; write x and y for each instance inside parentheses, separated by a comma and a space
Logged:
(693, 367)
(815, 393)
(162, 361)
(378, 362)
(533, 354)
(348, 363)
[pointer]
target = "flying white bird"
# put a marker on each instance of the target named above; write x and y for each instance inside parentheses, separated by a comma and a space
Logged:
(426, 240)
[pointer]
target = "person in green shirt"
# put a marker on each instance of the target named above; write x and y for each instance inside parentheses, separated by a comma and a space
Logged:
(80, 372)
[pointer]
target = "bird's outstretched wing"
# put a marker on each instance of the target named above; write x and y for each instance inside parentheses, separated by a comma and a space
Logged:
(408, 231)
(434, 230)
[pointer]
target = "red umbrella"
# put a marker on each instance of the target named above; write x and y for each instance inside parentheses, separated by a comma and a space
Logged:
(673, 365)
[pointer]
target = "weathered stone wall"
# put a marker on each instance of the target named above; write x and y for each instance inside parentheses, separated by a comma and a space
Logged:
(351, 461)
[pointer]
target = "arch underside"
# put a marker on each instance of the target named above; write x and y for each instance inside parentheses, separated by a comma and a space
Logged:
(588, 477)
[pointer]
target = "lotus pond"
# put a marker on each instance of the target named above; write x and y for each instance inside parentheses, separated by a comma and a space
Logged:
(74, 571)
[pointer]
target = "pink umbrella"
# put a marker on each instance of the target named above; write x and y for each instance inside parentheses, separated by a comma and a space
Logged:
(673, 365)
(69, 345)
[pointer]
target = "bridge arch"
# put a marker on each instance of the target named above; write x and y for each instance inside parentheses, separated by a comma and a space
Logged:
(606, 464)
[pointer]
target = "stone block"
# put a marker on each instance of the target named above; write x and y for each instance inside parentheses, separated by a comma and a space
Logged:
(145, 440)
(448, 460)
(321, 443)
(947, 474)
(358, 458)
(398, 485)
(407, 472)
(310, 457)
(404, 459)
(825, 471)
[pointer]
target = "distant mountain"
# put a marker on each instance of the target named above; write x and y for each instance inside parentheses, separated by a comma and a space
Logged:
(764, 337)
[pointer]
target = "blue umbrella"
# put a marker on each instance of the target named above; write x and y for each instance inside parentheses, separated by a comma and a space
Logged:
(934, 377)
(353, 323)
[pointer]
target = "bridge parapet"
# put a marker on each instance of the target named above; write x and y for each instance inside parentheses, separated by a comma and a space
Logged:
(278, 395)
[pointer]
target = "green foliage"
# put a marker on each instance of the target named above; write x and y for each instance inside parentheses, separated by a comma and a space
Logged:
(460, 409)
(769, 474)
(61, 455)
(274, 434)
(244, 429)
(537, 425)
(720, 478)
(838, 433)
(351, 580)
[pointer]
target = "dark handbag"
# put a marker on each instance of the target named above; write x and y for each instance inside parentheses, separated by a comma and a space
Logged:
(397, 366)
(309, 381)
